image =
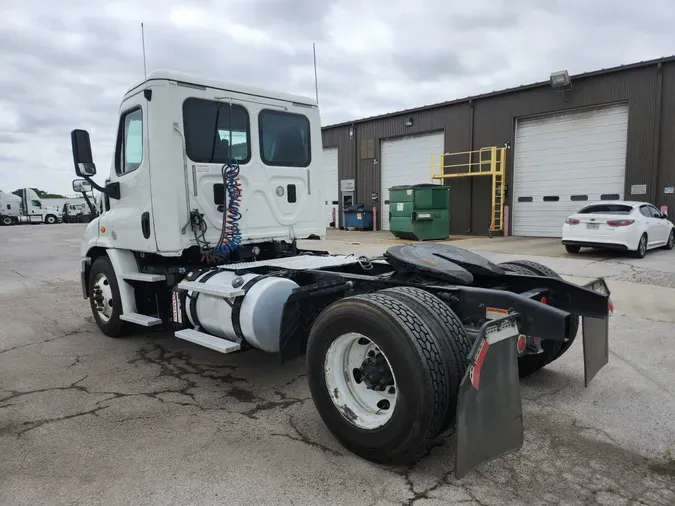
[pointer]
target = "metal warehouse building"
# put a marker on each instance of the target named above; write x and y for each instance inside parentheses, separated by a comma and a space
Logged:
(596, 136)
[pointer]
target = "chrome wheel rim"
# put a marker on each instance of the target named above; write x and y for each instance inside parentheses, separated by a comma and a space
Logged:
(102, 297)
(360, 381)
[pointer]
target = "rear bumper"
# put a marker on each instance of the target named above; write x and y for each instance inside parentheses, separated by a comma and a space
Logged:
(595, 244)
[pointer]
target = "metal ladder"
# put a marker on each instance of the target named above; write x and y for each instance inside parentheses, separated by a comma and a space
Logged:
(491, 161)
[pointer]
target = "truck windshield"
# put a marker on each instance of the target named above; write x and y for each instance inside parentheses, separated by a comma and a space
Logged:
(210, 126)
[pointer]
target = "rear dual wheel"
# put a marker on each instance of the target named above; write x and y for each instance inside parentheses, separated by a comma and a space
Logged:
(384, 371)
(529, 364)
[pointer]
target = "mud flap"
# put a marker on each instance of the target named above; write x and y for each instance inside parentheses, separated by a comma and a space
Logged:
(596, 346)
(596, 335)
(489, 411)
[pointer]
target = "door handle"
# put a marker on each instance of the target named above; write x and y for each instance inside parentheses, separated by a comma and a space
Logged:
(145, 224)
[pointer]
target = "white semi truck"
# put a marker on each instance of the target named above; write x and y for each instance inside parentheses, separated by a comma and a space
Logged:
(34, 210)
(10, 208)
(211, 186)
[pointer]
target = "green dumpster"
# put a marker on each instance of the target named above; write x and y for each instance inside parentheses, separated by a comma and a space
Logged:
(420, 212)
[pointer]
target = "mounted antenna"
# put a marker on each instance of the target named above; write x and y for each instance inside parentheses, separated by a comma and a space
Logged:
(145, 68)
(316, 81)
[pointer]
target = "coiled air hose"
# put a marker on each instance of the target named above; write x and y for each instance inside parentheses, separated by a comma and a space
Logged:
(230, 235)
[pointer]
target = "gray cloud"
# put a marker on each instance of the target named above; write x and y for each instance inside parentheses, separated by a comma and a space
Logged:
(67, 64)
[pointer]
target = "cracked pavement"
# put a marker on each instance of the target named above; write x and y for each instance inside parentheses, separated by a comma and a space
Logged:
(150, 419)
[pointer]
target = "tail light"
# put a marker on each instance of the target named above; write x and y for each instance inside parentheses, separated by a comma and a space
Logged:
(620, 223)
(571, 221)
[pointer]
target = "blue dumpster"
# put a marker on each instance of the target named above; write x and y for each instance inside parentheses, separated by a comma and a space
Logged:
(356, 217)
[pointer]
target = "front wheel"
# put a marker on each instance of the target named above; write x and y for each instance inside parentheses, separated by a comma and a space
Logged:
(379, 377)
(671, 240)
(641, 250)
(104, 297)
(50, 219)
(7, 220)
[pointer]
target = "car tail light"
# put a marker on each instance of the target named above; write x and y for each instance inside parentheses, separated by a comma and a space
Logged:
(620, 223)
(571, 221)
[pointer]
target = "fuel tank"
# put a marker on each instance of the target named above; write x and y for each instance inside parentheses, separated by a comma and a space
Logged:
(254, 317)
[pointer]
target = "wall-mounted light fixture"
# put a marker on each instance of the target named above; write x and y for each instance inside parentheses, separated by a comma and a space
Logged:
(560, 79)
(408, 122)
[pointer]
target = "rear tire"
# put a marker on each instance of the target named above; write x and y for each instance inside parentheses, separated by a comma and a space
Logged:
(450, 332)
(572, 249)
(641, 250)
(552, 349)
(417, 363)
(108, 309)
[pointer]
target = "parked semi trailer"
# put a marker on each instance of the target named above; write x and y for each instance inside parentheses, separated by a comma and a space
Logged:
(203, 209)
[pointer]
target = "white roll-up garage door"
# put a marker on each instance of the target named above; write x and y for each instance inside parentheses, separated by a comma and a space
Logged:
(565, 161)
(331, 184)
(406, 161)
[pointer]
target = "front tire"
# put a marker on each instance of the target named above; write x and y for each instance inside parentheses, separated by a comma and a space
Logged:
(104, 298)
(7, 220)
(641, 250)
(379, 377)
(671, 240)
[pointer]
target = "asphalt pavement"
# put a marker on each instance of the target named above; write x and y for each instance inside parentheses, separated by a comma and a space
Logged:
(150, 419)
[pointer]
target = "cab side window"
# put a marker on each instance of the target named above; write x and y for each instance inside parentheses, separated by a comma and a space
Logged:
(129, 149)
(36, 203)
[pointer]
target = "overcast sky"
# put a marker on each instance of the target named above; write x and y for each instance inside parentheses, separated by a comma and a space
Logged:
(66, 64)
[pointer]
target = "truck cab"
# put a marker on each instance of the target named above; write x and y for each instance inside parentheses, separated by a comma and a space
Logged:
(35, 210)
(196, 156)
(10, 208)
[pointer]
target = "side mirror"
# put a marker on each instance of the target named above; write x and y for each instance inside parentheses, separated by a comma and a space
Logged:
(664, 216)
(84, 161)
(81, 185)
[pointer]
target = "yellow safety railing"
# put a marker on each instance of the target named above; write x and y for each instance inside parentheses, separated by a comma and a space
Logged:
(490, 161)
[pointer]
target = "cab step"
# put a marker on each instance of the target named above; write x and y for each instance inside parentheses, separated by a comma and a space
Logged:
(216, 290)
(141, 319)
(142, 276)
(208, 341)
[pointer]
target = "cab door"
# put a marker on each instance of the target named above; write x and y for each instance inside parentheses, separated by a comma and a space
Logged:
(128, 223)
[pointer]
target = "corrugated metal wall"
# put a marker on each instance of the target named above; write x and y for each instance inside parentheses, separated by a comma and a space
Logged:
(667, 141)
(493, 124)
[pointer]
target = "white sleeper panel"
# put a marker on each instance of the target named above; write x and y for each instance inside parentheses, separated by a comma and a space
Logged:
(564, 161)
(332, 184)
(406, 161)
